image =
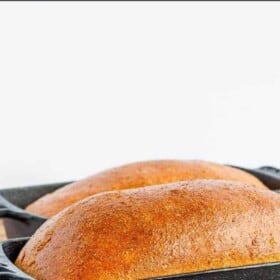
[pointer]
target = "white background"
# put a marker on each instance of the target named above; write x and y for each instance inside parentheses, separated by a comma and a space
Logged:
(86, 86)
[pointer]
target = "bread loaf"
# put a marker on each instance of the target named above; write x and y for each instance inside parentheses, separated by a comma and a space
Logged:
(158, 230)
(137, 175)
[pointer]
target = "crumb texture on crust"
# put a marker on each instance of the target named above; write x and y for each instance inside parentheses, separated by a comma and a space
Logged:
(136, 175)
(158, 230)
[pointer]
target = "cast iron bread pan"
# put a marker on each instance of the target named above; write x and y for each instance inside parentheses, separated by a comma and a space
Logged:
(20, 223)
(10, 249)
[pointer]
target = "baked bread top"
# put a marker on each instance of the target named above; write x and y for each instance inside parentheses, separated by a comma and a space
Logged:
(158, 230)
(136, 175)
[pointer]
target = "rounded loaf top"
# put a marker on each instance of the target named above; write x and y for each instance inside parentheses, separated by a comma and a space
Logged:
(136, 175)
(158, 230)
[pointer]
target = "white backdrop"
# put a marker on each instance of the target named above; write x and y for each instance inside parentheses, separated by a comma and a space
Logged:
(86, 86)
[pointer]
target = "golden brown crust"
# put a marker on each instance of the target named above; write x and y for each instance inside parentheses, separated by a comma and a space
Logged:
(159, 230)
(135, 175)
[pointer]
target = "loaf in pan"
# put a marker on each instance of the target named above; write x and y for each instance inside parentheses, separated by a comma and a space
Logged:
(155, 231)
(137, 175)
(9, 249)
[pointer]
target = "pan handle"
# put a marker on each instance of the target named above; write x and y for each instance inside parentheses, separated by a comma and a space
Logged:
(8, 253)
(269, 175)
(272, 171)
(8, 210)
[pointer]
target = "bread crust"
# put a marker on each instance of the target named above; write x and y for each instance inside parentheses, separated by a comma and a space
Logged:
(159, 230)
(136, 175)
